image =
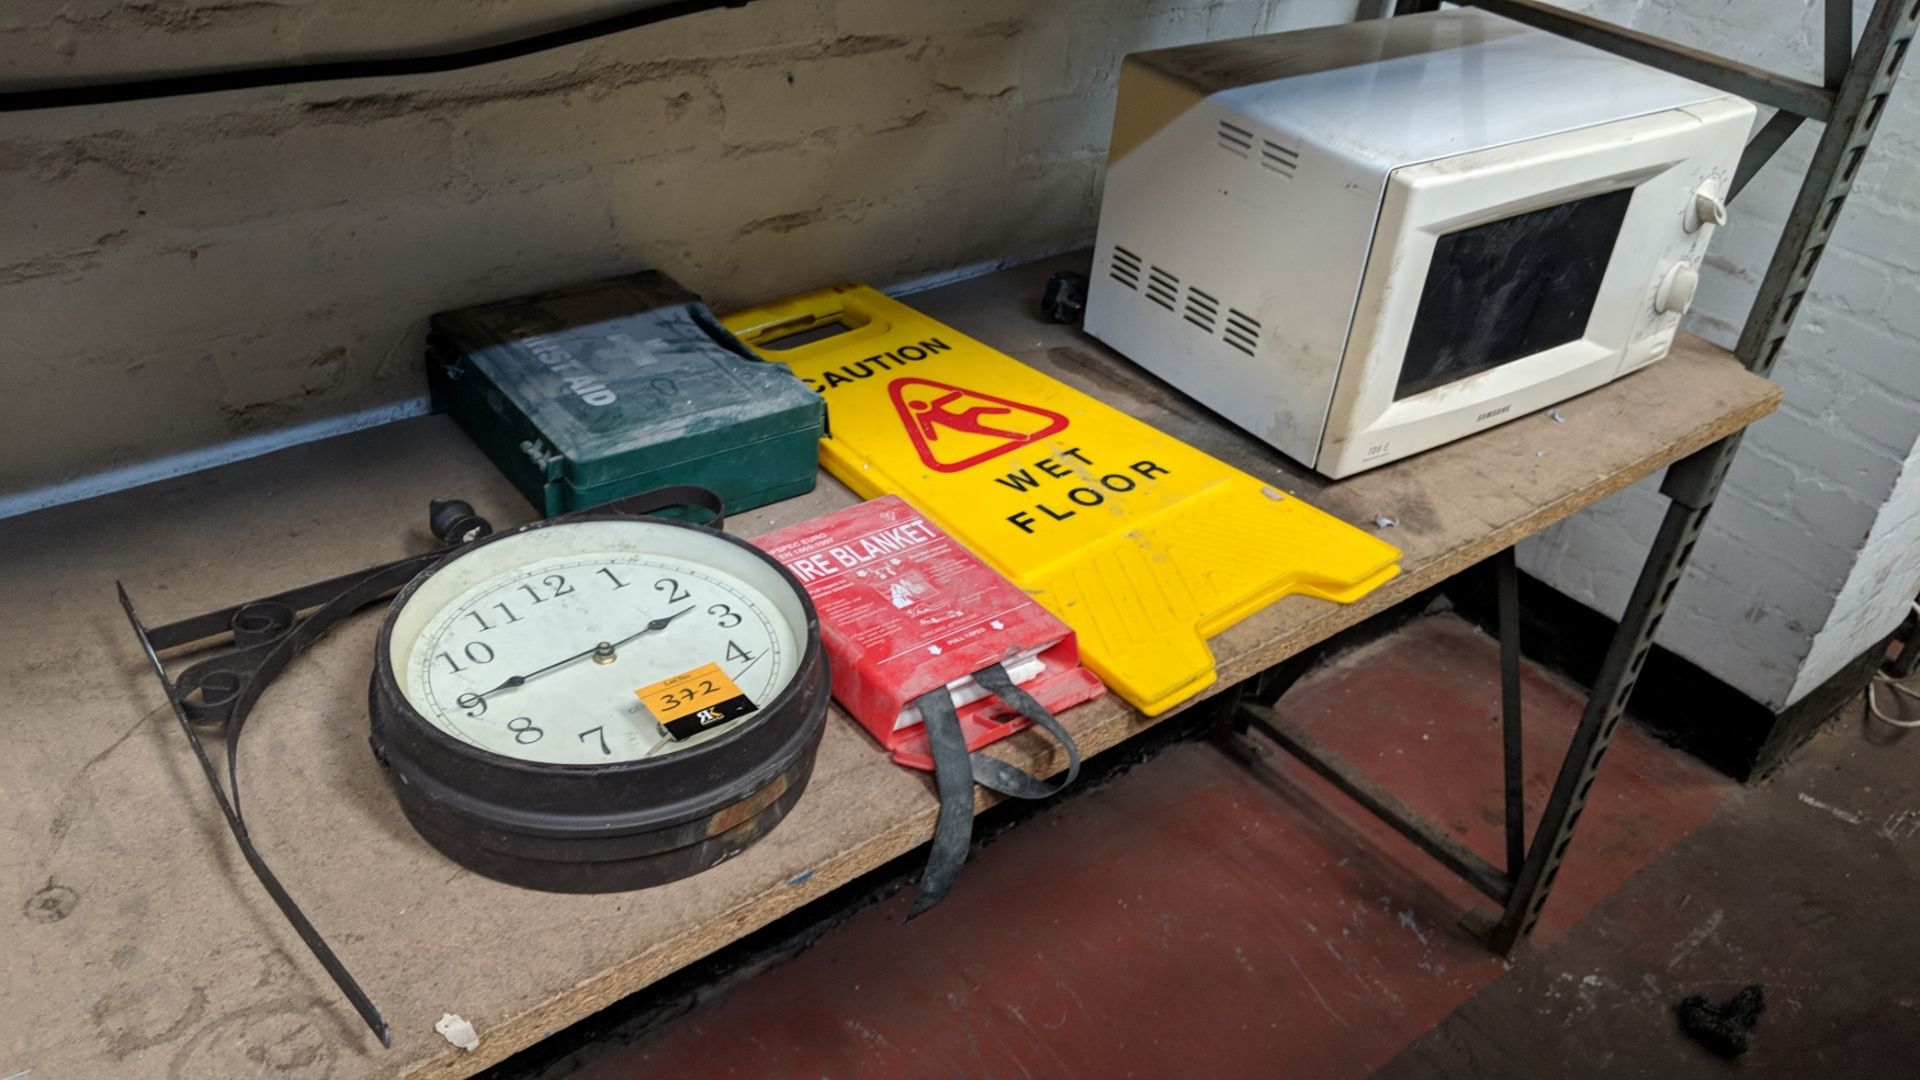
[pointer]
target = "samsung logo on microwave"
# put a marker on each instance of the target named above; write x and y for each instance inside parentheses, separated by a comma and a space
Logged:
(1491, 413)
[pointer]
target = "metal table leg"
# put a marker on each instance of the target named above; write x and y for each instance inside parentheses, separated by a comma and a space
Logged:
(1231, 723)
(1691, 485)
(1522, 889)
(1506, 583)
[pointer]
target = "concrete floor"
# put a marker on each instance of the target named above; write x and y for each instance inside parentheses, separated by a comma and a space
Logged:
(1195, 917)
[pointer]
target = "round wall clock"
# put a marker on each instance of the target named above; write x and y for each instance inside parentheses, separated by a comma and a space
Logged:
(599, 702)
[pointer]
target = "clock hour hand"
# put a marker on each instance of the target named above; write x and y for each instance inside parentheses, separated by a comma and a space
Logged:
(603, 648)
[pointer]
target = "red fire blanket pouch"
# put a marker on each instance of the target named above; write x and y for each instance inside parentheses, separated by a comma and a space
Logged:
(936, 655)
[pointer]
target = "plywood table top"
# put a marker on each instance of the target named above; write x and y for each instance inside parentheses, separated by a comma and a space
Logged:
(137, 944)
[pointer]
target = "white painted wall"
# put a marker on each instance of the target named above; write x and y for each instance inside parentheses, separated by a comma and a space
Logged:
(178, 275)
(1813, 550)
(1878, 591)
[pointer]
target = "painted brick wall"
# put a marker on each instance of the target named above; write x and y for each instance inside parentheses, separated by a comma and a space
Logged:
(1813, 550)
(178, 274)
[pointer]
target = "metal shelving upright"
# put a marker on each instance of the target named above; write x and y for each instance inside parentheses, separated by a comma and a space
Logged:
(1849, 101)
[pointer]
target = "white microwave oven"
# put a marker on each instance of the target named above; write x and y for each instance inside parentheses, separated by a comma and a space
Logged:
(1361, 241)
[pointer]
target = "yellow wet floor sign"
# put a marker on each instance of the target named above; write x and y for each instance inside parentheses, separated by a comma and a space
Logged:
(1142, 544)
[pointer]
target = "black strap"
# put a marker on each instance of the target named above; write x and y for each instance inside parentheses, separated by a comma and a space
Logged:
(996, 775)
(955, 772)
(647, 502)
(953, 782)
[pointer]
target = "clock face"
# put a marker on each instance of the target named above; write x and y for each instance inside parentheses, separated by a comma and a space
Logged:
(586, 643)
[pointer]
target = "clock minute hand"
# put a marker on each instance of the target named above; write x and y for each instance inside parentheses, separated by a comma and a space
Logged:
(657, 624)
(521, 680)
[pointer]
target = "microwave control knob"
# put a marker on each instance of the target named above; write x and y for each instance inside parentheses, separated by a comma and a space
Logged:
(1708, 207)
(1675, 294)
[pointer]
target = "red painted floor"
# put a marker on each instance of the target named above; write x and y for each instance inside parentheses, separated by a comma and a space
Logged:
(1198, 917)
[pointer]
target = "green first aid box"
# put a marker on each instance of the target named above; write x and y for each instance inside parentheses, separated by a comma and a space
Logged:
(595, 392)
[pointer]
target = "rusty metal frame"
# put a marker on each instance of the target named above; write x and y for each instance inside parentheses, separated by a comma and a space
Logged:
(1857, 81)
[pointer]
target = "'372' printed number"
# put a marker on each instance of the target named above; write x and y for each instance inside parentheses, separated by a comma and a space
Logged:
(675, 699)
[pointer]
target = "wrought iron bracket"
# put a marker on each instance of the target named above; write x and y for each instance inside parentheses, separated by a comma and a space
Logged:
(218, 692)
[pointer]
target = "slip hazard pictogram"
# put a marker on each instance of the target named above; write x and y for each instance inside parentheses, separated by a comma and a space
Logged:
(954, 429)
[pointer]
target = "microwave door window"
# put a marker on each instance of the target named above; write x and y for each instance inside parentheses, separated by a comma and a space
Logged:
(1509, 289)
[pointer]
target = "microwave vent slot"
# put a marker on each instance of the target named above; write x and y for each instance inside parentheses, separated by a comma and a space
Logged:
(1163, 288)
(1242, 331)
(1277, 158)
(1195, 305)
(1236, 139)
(1202, 310)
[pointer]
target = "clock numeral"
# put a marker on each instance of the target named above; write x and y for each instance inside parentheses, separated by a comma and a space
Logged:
(617, 583)
(485, 625)
(725, 613)
(600, 731)
(735, 652)
(556, 585)
(473, 703)
(675, 594)
(525, 729)
(478, 652)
